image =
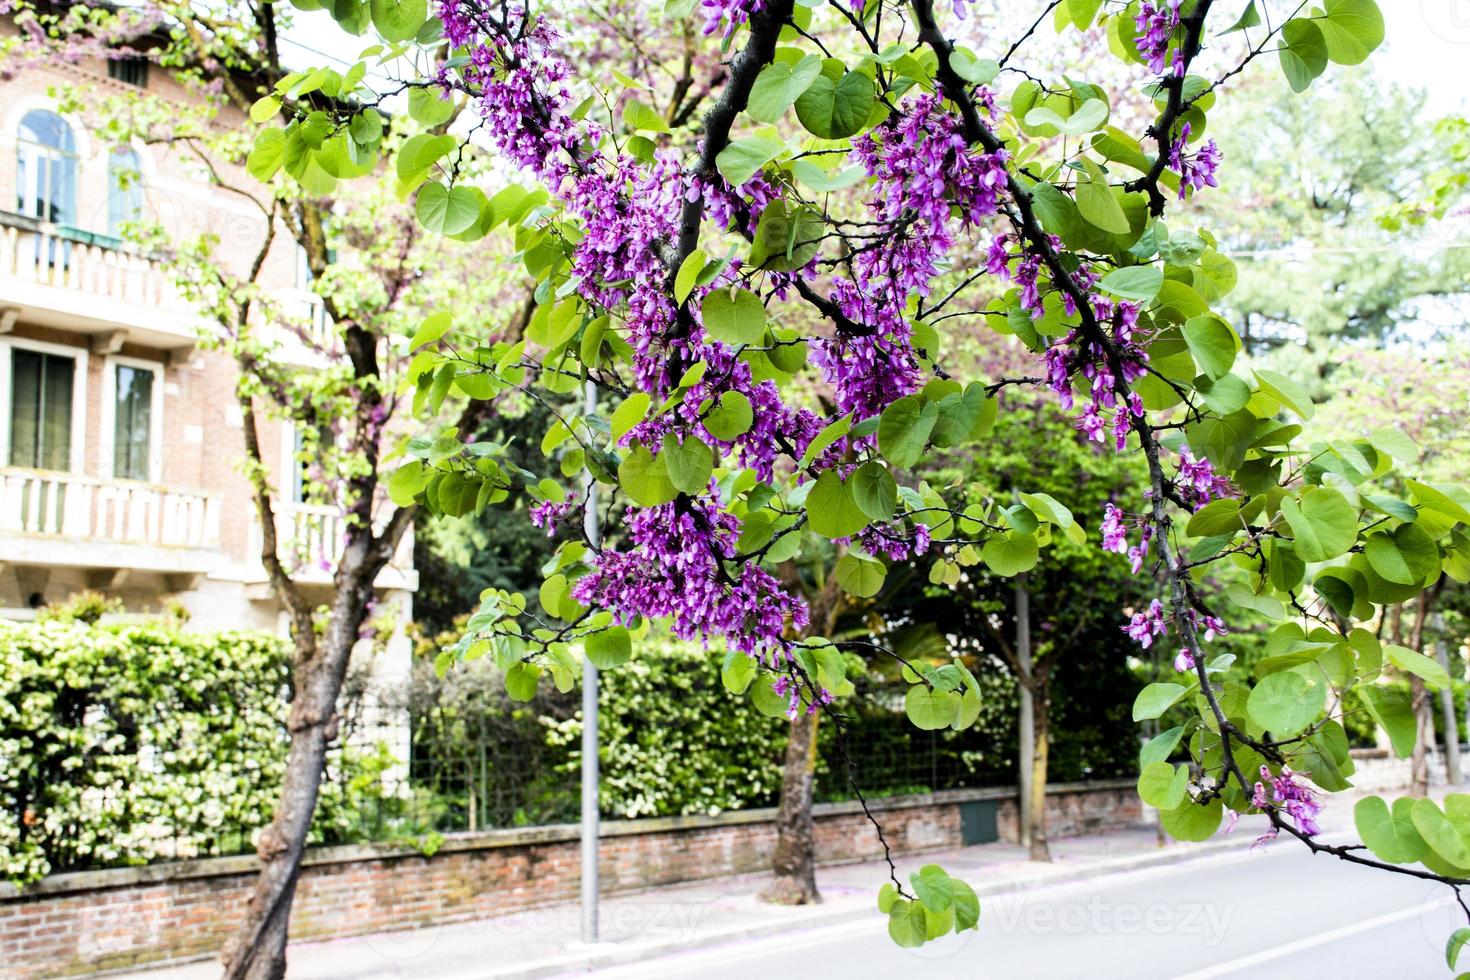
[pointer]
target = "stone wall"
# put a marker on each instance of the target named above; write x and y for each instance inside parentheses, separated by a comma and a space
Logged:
(72, 924)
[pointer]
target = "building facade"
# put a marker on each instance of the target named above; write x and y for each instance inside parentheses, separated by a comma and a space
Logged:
(121, 439)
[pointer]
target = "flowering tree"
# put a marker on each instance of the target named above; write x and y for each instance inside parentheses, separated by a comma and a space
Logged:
(761, 299)
(772, 354)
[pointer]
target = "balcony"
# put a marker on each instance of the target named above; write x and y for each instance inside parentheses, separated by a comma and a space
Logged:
(49, 518)
(59, 276)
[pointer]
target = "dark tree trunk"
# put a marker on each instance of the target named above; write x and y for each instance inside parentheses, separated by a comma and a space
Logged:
(1423, 735)
(793, 865)
(794, 861)
(258, 949)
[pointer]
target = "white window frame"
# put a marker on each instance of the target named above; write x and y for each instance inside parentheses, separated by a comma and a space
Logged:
(77, 462)
(108, 436)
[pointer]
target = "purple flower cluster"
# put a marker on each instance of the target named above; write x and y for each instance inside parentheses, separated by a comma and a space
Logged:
(923, 166)
(1114, 533)
(1198, 483)
(891, 540)
(549, 513)
(732, 13)
(1077, 356)
(1146, 625)
(1115, 537)
(733, 208)
(925, 174)
(1152, 622)
(1156, 26)
(1205, 627)
(673, 569)
(523, 97)
(787, 687)
(1196, 170)
(1299, 802)
(677, 562)
(870, 370)
(629, 209)
(774, 424)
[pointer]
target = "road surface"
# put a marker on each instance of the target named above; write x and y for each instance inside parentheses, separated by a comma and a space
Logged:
(1274, 912)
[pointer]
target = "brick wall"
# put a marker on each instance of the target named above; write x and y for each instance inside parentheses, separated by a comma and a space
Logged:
(71, 924)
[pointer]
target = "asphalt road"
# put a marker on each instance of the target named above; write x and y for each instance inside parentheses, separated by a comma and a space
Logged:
(1273, 912)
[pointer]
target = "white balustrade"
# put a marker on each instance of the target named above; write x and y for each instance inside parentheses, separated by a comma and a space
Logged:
(45, 256)
(115, 511)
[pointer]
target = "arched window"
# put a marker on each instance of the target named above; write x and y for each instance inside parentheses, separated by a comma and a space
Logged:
(124, 190)
(46, 168)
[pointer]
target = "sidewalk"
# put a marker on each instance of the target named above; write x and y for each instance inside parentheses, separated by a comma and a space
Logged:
(638, 926)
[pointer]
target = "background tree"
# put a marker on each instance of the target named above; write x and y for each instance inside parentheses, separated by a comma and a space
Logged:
(1309, 170)
(1061, 616)
(376, 273)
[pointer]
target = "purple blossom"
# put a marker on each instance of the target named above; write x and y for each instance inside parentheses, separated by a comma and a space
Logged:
(1139, 552)
(893, 542)
(523, 96)
(1114, 534)
(675, 568)
(1196, 170)
(773, 422)
(925, 176)
(869, 371)
(1146, 625)
(1299, 802)
(1198, 483)
(549, 513)
(1156, 26)
(732, 13)
(733, 208)
(1075, 358)
(789, 688)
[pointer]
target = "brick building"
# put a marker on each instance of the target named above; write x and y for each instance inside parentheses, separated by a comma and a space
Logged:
(120, 437)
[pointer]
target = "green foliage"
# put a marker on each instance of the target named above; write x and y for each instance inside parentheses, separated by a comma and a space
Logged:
(135, 743)
(673, 739)
(87, 606)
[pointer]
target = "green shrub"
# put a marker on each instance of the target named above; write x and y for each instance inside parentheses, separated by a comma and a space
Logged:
(673, 740)
(133, 743)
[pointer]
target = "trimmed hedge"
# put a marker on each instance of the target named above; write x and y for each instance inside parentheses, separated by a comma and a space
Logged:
(137, 743)
(133, 743)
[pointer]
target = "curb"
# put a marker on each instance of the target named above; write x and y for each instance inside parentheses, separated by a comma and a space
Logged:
(584, 961)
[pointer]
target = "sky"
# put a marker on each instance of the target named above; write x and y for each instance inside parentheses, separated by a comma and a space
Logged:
(1428, 47)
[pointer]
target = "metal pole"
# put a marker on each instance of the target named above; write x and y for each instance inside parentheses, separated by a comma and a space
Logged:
(589, 734)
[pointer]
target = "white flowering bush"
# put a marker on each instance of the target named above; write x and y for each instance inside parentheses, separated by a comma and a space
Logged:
(135, 743)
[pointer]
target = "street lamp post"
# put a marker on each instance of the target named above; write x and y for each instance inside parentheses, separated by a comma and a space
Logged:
(590, 808)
